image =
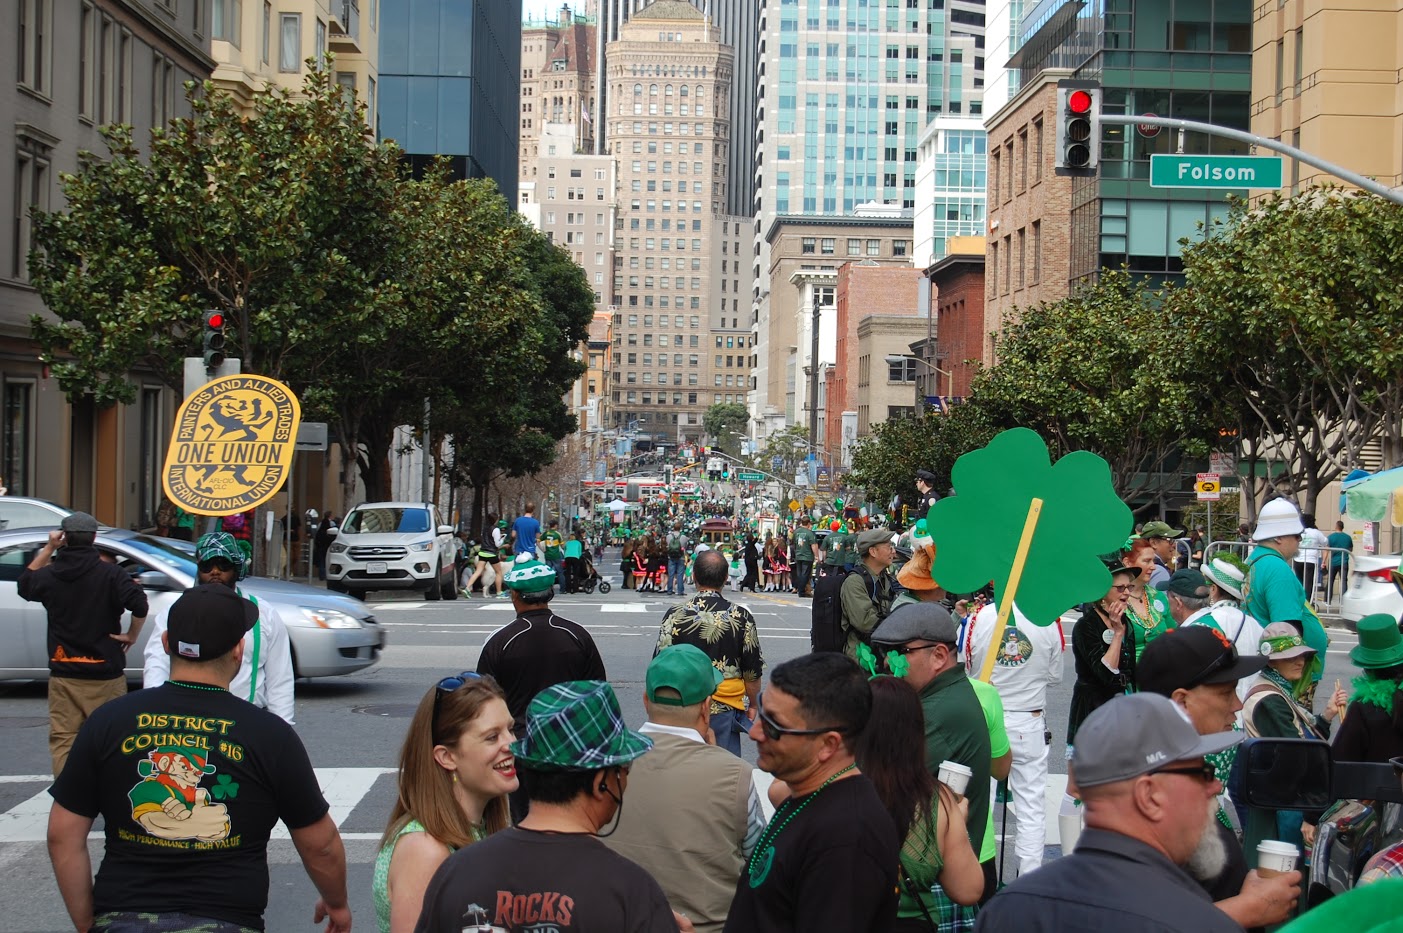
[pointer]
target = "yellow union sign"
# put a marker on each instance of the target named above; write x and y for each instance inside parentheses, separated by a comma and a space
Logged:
(232, 446)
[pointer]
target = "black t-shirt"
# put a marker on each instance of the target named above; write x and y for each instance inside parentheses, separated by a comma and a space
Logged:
(834, 867)
(534, 882)
(537, 650)
(189, 782)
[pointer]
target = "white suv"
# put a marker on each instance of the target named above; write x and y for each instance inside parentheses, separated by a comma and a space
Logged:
(392, 546)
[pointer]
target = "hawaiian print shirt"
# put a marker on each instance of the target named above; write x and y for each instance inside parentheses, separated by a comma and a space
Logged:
(724, 630)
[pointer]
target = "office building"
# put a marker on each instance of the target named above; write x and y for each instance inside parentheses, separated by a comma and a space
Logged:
(846, 93)
(262, 44)
(558, 74)
(735, 24)
(450, 74)
(1001, 37)
(1325, 79)
(78, 66)
(951, 174)
(1185, 59)
(679, 333)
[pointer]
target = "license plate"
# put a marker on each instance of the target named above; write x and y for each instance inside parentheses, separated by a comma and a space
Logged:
(375, 566)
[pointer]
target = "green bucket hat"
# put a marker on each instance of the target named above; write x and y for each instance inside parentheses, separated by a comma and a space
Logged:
(1380, 642)
(530, 576)
(221, 544)
(577, 726)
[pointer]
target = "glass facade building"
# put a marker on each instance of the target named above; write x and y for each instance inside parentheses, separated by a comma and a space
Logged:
(1179, 58)
(961, 159)
(449, 84)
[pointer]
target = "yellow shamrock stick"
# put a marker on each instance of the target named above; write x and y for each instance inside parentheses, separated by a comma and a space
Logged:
(1006, 597)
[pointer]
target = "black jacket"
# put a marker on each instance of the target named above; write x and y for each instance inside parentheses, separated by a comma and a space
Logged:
(85, 598)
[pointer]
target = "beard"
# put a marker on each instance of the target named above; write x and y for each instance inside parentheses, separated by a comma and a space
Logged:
(1210, 856)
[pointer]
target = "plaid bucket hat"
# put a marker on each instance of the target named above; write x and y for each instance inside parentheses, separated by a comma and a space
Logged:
(577, 726)
(219, 545)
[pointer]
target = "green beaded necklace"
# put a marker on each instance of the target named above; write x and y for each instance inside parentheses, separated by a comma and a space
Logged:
(190, 686)
(763, 858)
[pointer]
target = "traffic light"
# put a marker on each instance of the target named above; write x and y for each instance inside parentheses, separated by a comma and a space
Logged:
(214, 339)
(725, 471)
(1078, 128)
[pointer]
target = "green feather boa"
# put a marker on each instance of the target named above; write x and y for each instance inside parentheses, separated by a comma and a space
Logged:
(1376, 692)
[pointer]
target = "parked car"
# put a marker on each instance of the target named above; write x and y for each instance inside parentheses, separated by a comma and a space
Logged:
(392, 546)
(1371, 587)
(330, 634)
(24, 512)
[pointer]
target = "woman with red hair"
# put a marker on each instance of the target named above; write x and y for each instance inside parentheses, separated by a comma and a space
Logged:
(1147, 608)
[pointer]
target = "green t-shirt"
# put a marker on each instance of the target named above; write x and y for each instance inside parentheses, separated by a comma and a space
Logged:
(1340, 540)
(551, 540)
(574, 548)
(998, 747)
(835, 549)
(804, 540)
(1273, 593)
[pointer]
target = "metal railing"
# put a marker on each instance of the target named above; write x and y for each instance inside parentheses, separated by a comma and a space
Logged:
(1324, 582)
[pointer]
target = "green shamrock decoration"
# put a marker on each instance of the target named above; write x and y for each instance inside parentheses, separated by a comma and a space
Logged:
(225, 788)
(977, 531)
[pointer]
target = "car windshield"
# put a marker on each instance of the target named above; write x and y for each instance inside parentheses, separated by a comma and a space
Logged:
(385, 520)
(163, 553)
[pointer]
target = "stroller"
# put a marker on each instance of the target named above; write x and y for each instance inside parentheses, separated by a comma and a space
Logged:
(589, 576)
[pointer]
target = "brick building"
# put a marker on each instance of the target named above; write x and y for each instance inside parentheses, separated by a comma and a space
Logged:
(1029, 208)
(949, 361)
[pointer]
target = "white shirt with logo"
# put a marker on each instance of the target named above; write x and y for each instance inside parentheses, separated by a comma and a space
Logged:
(1029, 657)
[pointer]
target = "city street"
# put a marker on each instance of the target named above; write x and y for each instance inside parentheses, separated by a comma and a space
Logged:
(352, 727)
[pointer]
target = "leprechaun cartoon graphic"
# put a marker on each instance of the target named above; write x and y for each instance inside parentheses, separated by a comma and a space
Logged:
(170, 803)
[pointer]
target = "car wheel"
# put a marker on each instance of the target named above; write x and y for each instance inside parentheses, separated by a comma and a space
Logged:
(450, 589)
(604, 586)
(434, 590)
(335, 587)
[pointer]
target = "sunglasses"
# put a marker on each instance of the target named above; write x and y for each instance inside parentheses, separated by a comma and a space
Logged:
(222, 564)
(774, 731)
(1222, 662)
(448, 685)
(1203, 772)
(904, 650)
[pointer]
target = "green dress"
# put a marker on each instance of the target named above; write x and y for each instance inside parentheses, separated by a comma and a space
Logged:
(380, 883)
(921, 863)
(1159, 621)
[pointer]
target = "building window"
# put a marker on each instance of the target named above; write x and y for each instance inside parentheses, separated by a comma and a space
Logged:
(1037, 253)
(320, 48)
(31, 194)
(1022, 256)
(153, 449)
(87, 60)
(267, 42)
(227, 21)
(1037, 150)
(899, 247)
(826, 246)
(874, 247)
(854, 247)
(1022, 160)
(808, 244)
(19, 438)
(36, 44)
(903, 370)
(289, 42)
(900, 411)
(162, 90)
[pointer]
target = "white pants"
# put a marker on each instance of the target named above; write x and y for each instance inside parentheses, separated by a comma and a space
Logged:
(1027, 782)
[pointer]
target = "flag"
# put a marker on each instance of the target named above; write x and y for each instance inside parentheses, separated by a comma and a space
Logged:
(584, 112)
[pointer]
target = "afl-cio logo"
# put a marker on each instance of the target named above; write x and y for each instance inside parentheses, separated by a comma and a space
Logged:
(232, 446)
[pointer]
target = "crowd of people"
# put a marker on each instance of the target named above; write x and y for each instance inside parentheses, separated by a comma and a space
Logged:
(524, 802)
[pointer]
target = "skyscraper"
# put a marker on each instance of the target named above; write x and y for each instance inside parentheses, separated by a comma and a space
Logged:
(846, 92)
(450, 79)
(559, 70)
(679, 339)
(735, 24)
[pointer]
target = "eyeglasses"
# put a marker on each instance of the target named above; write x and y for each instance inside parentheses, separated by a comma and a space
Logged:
(1203, 772)
(774, 731)
(448, 685)
(1123, 587)
(222, 564)
(904, 650)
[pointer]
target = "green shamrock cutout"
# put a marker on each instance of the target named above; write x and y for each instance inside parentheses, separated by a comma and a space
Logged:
(977, 531)
(225, 788)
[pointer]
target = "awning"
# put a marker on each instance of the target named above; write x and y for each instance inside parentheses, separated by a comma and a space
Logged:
(1368, 499)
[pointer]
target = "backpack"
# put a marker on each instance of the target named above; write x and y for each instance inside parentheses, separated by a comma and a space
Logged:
(674, 546)
(826, 632)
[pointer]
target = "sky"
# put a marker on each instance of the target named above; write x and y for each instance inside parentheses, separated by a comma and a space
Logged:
(539, 9)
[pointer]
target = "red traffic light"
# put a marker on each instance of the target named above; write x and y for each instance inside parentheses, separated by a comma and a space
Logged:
(1079, 102)
(214, 319)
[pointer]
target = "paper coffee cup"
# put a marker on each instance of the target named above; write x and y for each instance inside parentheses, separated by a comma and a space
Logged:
(954, 776)
(1276, 858)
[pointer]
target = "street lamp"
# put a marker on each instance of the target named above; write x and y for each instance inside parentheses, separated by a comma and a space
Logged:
(950, 386)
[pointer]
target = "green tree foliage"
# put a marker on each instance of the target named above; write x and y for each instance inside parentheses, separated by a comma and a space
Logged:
(721, 419)
(885, 462)
(791, 446)
(1294, 306)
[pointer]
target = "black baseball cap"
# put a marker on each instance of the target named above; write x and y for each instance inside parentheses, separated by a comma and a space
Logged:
(207, 621)
(1190, 656)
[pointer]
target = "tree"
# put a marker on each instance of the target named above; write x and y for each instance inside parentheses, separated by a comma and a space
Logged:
(1294, 302)
(1103, 370)
(721, 420)
(885, 462)
(790, 447)
(279, 219)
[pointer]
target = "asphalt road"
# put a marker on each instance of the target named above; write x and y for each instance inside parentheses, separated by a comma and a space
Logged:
(352, 727)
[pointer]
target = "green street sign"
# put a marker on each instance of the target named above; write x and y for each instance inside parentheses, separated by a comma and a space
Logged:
(750, 477)
(1214, 171)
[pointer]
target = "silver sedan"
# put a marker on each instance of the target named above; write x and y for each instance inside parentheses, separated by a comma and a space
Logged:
(330, 634)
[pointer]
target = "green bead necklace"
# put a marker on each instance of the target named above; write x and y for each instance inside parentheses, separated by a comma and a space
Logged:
(190, 686)
(763, 858)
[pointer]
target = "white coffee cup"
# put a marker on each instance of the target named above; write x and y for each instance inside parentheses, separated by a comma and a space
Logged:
(1276, 858)
(1069, 830)
(954, 776)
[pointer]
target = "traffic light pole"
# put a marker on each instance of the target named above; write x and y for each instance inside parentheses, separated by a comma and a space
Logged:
(1344, 174)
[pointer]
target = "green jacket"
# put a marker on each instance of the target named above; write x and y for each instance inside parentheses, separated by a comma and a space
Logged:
(864, 605)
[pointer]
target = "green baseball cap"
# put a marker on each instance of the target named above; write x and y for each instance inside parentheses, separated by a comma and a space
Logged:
(1160, 530)
(577, 726)
(685, 669)
(530, 576)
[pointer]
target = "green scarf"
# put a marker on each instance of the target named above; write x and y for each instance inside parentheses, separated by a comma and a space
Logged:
(1376, 692)
(1287, 687)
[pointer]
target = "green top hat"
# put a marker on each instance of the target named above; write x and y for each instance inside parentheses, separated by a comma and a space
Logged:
(577, 726)
(1380, 642)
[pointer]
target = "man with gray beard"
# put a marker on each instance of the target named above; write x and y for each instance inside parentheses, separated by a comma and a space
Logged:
(1198, 668)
